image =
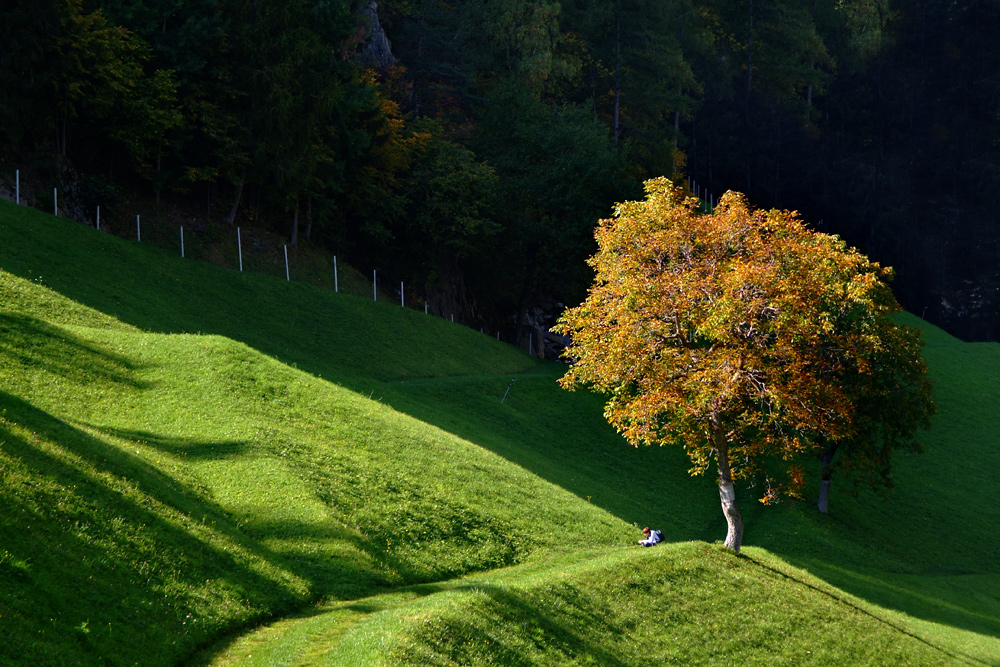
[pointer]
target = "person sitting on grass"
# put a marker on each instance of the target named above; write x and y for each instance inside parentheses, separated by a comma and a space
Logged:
(652, 537)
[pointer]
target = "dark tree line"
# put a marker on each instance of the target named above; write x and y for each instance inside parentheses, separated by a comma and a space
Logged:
(476, 162)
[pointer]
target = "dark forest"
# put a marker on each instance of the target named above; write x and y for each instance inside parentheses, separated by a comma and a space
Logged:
(471, 146)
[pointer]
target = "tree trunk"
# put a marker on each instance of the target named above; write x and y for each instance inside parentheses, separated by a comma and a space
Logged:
(593, 88)
(824, 489)
(309, 218)
(527, 290)
(749, 89)
(156, 181)
(236, 199)
(824, 497)
(727, 493)
(62, 134)
(618, 73)
(677, 132)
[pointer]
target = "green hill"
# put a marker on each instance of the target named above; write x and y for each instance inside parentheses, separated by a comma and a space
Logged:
(187, 453)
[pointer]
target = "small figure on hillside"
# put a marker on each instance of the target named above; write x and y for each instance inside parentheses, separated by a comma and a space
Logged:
(652, 537)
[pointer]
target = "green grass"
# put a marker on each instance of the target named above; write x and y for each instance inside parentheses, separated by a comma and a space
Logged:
(188, 453)
(682, 604)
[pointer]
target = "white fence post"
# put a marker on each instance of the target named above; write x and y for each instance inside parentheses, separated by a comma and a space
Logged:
(17, 186)
(239, 247)
(287, 275)
(55, 201)
(182, 240)
(98, 218)
(401, 303)
(138, 230)
(374, 285)
(335, 286)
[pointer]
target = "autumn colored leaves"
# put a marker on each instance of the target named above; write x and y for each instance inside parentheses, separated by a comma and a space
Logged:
(748, 339)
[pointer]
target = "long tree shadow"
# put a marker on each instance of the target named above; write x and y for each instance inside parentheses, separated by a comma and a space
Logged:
(84, 516)
(958, 617)
(507, 608)
(193, 450)
(323, 552)
(318, 552)
(37, 346)
(140, 551)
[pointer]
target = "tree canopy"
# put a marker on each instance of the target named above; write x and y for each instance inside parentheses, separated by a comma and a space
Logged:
(746, 338)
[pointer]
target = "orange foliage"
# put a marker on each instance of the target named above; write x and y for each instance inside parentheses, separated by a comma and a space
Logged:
(738, 328)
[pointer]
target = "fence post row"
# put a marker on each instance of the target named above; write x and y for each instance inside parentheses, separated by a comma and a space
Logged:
(288, 277)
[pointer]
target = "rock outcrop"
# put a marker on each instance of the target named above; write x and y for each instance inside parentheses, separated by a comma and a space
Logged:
(377, 51)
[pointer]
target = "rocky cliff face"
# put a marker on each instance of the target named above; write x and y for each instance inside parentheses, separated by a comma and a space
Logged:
(377, 51)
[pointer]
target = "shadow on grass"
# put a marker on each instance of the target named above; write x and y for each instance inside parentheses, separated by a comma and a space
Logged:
(922, 596)
(651, 489)
(502, 609)
(181, 447)
(318, 552)
(136, 551)
(114, 534)
(31, 345)
(495, 612)
(873, 589)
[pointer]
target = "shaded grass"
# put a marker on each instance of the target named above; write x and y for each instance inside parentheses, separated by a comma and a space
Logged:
(346, 337)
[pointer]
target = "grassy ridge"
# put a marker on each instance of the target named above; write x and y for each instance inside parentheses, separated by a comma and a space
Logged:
(685, 604)
(682, 604)
(186, 450)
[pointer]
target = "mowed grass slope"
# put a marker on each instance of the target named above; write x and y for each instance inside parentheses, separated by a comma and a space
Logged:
(186, 451)
(160, 489)
(908, 579)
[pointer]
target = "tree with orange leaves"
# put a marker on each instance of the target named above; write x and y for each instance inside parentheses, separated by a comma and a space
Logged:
(741, 335)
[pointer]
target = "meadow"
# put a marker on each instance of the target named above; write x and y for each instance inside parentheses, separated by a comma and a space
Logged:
(200, 466)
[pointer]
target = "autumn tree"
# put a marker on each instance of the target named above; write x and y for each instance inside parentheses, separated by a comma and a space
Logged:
(732, 335)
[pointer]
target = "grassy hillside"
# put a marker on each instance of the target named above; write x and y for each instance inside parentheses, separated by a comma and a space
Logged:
(187, 451)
